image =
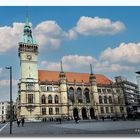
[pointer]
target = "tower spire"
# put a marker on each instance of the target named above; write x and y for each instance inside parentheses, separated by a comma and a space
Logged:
(91, 72)
(61, 66)
(27, 18)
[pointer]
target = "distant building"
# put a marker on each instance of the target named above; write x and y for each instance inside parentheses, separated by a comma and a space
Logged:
(131, 94)
(138, 79)
(46, 94)
(5, 111)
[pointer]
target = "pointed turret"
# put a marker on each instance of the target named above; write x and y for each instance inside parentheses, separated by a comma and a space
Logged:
(92, 77)
(62, 74)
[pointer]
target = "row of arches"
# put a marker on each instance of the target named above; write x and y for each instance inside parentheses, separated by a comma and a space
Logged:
(50, 99)
(78, 94)
(84, 113)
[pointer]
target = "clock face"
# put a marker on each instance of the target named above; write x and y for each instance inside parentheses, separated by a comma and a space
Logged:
(29, 57)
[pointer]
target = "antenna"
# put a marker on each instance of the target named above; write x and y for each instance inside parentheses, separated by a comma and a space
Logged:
(91, 69)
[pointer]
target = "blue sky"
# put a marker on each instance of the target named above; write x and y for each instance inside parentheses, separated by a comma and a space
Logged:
(107, 37)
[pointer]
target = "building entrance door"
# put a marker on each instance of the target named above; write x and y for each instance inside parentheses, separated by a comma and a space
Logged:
(84, 113)
(92, 113)
(75, 113)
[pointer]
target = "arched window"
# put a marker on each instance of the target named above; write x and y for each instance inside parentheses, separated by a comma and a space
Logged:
(56, 99)
(50, 99)
(86, 92)
(100, 100)
(79, 95)
(110, 99)
(105, 99)
(71, 94)
(43, 99)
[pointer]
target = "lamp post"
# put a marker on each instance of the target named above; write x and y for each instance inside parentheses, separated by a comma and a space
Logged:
(11, 103)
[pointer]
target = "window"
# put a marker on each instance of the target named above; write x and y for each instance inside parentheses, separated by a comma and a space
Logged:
(118, 90)
(121, 109)
(104, 90)
(43, 88)
(30, 98)
(86, 92)
(43, 99)
(108, 90)
(56, 99)
(100, 99)
(2, 112)
(102, 110)
(107, 110)
(57, 111)
(50, 99)
(110, 99)
(71, 94)
(105, 99)
(99, 90)
(49, 89)
(43, 111)
(50, 111)
(111, 109)
(30, 87)
(79, 95)
(2, 107)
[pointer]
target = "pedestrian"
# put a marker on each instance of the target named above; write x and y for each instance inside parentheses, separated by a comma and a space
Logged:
(76, 119)
(103, 119)
(22, 121)
(18, 122)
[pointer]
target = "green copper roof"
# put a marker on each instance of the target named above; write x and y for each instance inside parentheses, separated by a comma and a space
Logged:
(27, 36)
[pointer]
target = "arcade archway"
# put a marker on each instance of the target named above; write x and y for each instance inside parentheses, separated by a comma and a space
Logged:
(92, 113)
(75, 113)
(84, 113)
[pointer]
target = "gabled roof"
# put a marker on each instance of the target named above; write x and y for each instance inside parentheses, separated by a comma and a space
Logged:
(45, 75)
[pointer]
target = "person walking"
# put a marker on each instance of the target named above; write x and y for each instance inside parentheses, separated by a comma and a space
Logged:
(22, 121)
(18, 122)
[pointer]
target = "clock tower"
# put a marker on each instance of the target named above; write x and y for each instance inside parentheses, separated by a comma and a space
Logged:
(28, 100)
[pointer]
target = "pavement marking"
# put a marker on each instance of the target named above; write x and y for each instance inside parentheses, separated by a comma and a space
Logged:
(3, 127)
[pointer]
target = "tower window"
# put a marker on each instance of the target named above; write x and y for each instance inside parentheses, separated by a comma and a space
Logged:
(30, 87)
(30, 98)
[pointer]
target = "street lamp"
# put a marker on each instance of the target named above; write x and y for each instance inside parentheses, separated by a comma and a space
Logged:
(11, 103)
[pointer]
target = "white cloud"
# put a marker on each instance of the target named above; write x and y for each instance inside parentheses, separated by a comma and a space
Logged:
(9, 36)
(70, 62)
(50, 34)
(98, 26)
(124, 53)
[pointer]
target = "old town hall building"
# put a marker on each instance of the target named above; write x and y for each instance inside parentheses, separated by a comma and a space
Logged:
(44, 94)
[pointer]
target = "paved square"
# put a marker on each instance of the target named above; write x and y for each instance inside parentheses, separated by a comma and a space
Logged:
(70, 128)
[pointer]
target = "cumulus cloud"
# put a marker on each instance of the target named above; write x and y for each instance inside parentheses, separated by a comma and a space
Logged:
(124, 53)
(50, 34)
(124, 58)
(98, 26)
(9, 36)
(70, 62)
